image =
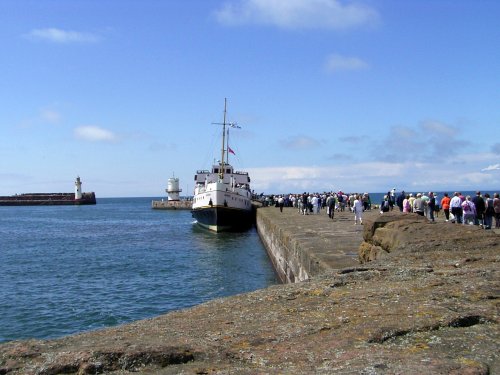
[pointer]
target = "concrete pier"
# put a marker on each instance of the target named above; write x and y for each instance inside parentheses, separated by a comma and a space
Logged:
(303, 246)
(172, 205)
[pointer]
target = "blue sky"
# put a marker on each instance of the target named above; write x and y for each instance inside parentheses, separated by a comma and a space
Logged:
(354, 95)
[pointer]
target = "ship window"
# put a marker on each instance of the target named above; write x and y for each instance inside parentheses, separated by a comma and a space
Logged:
(216, 170)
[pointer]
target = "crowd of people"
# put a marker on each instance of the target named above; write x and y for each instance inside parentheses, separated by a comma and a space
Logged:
(313, 203)
(478, 210)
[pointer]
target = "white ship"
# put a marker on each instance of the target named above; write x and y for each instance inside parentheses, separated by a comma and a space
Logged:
(222, 198)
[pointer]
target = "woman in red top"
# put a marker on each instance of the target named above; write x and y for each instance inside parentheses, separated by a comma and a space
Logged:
(445, 203)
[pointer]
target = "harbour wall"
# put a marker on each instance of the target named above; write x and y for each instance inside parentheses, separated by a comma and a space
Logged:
(303, 246)
(172, 205)
(47, 199)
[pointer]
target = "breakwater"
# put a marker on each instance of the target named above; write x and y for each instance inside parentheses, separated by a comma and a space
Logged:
(424, 299)
(303, 246)
(172, 205)
(47, 199)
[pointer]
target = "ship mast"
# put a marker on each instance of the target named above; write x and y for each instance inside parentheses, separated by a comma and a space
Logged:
(221, 169)
(227, 144)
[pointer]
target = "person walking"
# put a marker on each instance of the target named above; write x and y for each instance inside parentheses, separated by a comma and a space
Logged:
(392, 197)
(358, 210)
(445, 204)
(406, 204)
(496, 208)
(341, 200)
(385, 205)
(314, 203)
(480, 208)
(418, 205)
(305, 203)
(330, 202)
(436, 207)
(425, 199)
(281, 203)
(456, 207)
(489, 211)
(400, 199)
(431, 203)
(411, 200)
(469, 210)
(299, 204)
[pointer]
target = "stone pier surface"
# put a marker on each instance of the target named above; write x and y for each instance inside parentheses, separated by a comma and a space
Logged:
(302, 246)
(423, 300)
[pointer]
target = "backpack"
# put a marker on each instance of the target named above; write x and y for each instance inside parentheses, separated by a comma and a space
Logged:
(490, 211)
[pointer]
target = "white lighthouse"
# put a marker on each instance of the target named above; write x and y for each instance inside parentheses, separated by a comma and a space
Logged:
(173, 189)
(78, 188)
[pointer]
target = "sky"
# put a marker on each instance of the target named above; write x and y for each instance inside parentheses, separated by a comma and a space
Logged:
(330, 94)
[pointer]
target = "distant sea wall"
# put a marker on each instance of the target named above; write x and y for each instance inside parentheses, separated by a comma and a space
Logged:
(172, 205)
(47, 199)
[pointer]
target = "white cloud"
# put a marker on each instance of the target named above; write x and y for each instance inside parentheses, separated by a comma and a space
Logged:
(430, 140)
(372, 177)
(348, 176)
(94, 134)
(475, 157)
(336, 63)
(55, 35)
(297, 14)
(353, 139)
(300, 142)
(494, 167)
(496, 148)
(438, 128)
(50, 116)
(430, 156)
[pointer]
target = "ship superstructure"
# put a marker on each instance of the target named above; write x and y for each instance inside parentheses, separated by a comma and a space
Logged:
(222, 198)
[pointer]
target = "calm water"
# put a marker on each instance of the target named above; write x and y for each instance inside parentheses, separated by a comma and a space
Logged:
(70, 269)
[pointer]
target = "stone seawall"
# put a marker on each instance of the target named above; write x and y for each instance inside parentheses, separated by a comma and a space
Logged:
(290, 263)
(171, 205)
(303, 246)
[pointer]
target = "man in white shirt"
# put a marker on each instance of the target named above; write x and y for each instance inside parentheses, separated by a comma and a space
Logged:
(456, 208)
(314, 202)
(358, 210)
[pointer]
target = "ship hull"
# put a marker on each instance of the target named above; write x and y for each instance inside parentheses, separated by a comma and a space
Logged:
(223, 219)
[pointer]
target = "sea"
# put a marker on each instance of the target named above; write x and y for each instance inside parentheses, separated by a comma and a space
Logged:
(71, 269)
